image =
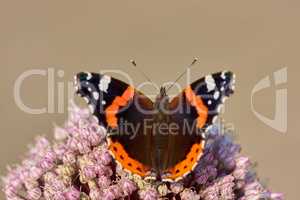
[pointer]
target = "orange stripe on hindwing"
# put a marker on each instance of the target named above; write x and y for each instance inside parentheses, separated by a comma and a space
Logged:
(197, 102)
(119, 101)
(187, 165)
(128, 163)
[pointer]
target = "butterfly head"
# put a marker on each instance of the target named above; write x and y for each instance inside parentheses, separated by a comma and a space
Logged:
(162, 92)
(162, 99)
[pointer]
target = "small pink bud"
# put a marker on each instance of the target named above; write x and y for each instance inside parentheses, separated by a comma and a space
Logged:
(89, 172)
(46, 164)
(94, 138)
(103, 182)
(72, 194)
(106, 158)
(128, 187)
(50, 156)
(149, 194)
(69, 158)
(109, 194)
(34, 194)
(83, 147)
(95, 194)
(58, 196)
(36, 173)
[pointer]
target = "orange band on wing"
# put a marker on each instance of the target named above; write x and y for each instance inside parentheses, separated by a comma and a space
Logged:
(112, 110)
(187, 165)
(130, 164)
(197, 102)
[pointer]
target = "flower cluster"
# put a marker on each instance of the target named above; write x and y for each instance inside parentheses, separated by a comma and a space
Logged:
(78, 166)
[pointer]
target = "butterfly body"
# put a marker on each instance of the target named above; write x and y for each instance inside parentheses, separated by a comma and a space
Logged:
(161, 140)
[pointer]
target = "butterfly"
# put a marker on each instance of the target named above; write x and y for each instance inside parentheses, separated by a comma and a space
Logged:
(161, 140)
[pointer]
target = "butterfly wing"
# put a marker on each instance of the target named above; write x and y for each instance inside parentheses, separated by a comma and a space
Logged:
(194, 110)
(122, 110)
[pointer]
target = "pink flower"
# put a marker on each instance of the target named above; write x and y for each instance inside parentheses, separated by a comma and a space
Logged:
(34, 193)
(69, 157)
(127, 186)
(79, 166)
(113, 192)
(103, 170)
(105, 158)
(103, 182)
(72, 194)
(95, 194)
(149, 194)
(188, 194)
(89, 172)
(176, 188)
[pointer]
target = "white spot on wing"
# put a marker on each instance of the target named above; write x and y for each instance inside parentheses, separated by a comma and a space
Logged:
(126, 170)
(216, 95)
(89, 76)
(210, 83)
(150, 178)
(104, 83)
(103, 102)
(167, 180)
(96, 95)
(223, 76)
(209, 102)
(187, 173)
(178, 179)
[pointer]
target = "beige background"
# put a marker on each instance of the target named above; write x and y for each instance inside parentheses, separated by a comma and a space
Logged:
(252, 38)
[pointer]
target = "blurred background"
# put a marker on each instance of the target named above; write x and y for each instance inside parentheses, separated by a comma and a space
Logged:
(44, 43)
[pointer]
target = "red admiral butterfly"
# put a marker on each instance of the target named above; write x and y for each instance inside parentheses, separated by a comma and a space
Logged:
(161, 140)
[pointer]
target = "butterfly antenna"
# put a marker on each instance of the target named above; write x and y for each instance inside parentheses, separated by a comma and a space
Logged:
(141, 72)
(182, 74)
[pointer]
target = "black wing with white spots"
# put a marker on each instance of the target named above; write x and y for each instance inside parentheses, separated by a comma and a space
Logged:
(214, 89)
(99, 91)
